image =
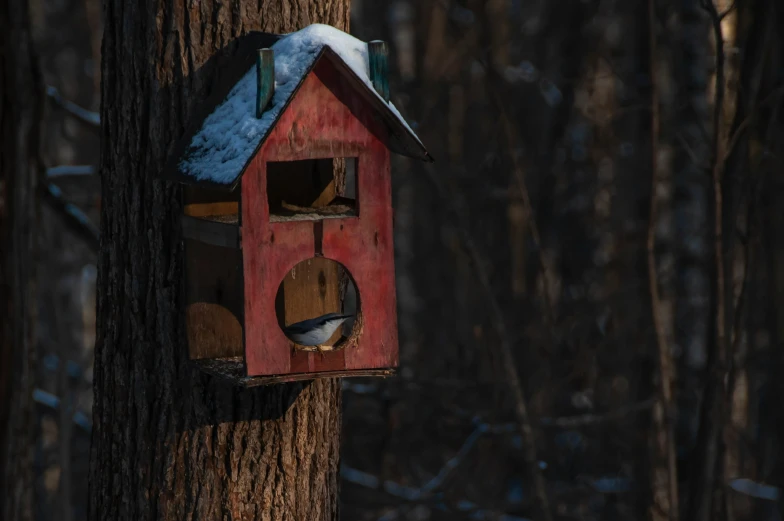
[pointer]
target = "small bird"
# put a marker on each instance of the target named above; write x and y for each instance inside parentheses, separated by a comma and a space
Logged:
(313, 332)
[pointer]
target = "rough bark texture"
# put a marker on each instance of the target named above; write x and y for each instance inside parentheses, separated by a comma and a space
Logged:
(169, 442)
(20, 114)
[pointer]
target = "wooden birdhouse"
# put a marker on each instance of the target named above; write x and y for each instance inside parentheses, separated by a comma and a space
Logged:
(287, 167)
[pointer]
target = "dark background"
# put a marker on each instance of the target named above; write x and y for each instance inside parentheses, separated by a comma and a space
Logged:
(527, 237)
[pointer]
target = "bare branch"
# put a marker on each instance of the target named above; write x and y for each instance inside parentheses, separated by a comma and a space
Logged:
(523, 188)
(689, 150)
(505, 350)
(741, 128)
(73, 217)
(703, 491)
(86, 116)
(520, 180)
(428, 490)
(588, 420)
(53, 402)
(753, 206)
(70, 170)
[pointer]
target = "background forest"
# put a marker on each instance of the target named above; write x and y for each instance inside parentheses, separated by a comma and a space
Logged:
(590, 277)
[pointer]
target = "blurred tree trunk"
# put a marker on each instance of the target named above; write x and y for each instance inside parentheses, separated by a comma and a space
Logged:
(664, 473)
(21, 96)
(751, 31)
(168, 442)
(689, 118)
(688, 121)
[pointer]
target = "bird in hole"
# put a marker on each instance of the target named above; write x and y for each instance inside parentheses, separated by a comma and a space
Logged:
(313, 332)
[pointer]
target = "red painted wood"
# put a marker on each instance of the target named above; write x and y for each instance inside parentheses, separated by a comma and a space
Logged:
(325, 119)
(304, 361)
(329, 361)
(300, 362)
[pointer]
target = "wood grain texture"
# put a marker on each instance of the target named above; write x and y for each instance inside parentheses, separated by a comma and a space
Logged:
(208, 210)
(265, 79)
(169, 442)
(215, 232)
(212, 332)
(233, 371)
(21, 104)
(377, 64)
(325, 119)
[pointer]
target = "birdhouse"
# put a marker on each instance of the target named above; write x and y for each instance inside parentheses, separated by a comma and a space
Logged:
(286, 170)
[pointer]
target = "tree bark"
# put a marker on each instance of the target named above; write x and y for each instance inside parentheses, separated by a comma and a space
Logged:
(169, 442)
(21, 95)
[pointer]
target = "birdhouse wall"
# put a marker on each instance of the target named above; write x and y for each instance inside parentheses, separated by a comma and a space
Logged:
(325, 119)
(214, 304)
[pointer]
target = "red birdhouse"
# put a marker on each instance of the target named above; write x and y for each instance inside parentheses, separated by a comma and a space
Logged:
(287, 167)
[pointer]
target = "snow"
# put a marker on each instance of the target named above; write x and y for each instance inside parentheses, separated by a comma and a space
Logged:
(229, 136)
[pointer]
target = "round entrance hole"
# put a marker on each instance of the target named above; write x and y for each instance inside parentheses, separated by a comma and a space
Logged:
(318, 307)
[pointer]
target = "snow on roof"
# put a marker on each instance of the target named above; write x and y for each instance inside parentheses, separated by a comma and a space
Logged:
(229, 136)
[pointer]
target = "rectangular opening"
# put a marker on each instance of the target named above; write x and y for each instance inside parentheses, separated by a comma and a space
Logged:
(212, 205)
(312, 189)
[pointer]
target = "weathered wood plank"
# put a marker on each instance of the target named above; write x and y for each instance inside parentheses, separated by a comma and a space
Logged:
(316, 215)
(216, 233)
(213, 331)
(378, 66)
(265, 79)
(232, 371)
(210, 209)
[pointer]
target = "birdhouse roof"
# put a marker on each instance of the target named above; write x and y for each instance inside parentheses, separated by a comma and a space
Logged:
(225, 133)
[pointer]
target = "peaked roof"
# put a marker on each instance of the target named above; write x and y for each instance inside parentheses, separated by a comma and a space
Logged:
(226, 134)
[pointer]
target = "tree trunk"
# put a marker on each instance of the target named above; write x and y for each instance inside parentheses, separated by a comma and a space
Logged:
(664, 472)
(20, 115)
(169, 442)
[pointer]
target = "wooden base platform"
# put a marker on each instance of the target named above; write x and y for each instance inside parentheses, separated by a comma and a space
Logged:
(233, 370)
